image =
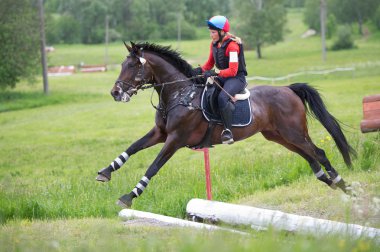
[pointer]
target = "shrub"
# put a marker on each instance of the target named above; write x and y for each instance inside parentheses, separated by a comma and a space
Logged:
(331, 26)
(344, 39)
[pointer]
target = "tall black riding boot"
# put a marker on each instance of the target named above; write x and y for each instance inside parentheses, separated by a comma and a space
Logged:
(226, 114)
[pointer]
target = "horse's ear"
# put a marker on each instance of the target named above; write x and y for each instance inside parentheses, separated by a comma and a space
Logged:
(135, 48)
(128, 47)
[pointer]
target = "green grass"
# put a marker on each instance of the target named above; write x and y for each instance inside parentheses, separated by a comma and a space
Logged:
(101, 235)
(52, 146)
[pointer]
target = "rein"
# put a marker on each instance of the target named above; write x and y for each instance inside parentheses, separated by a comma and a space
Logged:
(152, 85)
(146, 84)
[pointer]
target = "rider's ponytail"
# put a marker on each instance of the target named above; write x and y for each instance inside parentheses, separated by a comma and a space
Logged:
(235, 38)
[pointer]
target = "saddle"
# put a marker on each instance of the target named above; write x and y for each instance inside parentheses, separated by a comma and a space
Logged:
(241, 116)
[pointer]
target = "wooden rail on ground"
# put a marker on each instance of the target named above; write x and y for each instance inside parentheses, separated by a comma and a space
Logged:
(93, 68)
(61, 70)
(371, 114)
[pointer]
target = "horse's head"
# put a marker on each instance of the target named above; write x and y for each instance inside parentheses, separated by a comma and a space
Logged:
(135, 72)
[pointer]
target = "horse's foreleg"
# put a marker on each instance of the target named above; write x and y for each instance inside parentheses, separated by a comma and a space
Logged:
(153, 137)
(172, 144)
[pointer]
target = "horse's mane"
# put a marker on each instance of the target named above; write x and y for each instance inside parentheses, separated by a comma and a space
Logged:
(170, 55)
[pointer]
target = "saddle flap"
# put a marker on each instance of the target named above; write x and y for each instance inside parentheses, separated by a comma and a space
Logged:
(241, 116)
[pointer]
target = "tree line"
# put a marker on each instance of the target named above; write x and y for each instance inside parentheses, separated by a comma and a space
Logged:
(258, 22)
(84, 21)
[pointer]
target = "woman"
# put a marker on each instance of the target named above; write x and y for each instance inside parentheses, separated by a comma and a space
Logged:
(226, 53)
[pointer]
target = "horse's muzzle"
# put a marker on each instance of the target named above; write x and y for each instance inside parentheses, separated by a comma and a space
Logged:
(119, 95)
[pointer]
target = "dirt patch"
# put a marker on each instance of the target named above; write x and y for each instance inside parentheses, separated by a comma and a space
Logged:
(147, 222)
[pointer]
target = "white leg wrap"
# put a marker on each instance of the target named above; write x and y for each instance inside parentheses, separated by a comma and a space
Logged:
(119, 161)
(125, 155)
(140, 186)
(113, 166)
(145, 179)
(320, 173)
(135, 191)
(337, 179)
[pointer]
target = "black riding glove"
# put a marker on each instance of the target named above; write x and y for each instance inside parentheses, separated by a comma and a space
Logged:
(197, 71)
(210, 73)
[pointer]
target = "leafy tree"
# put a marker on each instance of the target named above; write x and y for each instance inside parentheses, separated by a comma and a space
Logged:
(197, 11)
(260, 22)
(68, 30)
(312, 14)
(92, 19)
(19, 40)
(350, 11)
(344, 11)
(132, 19)
(376, 18)
(294, 3)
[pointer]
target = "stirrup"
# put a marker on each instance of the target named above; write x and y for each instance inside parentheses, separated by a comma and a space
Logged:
(227, 137)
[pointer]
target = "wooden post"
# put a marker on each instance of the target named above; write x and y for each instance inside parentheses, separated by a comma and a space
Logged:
(206, 156)
(43, 45)
(207, 172)
(106, 41)
(323, 28)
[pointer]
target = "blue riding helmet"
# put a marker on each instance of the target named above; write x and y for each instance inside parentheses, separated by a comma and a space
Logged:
(219, 23)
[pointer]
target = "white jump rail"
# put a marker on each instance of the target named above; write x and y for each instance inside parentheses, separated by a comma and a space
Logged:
(259, 218)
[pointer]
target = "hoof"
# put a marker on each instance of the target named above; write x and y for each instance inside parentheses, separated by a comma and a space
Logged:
(125, 201)
(102, 178)
(333, 186)
(342, 185)
(104, 175)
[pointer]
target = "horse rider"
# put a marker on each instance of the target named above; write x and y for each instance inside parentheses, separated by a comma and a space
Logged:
(226, 53)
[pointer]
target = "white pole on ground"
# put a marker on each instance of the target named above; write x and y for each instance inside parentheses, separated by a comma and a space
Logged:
(257, 217)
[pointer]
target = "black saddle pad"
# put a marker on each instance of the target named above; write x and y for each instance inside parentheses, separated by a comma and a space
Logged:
(241, 116)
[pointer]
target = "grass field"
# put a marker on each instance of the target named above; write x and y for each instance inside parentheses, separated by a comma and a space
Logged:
(52, 146)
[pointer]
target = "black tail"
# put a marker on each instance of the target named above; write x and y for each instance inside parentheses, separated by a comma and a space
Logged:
(311, 97)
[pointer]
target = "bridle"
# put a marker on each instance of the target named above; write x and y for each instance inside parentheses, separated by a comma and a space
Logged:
(139, 77)
(144, 83)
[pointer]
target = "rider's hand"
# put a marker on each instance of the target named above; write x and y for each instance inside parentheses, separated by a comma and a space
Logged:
(210, 73)
(197, 71)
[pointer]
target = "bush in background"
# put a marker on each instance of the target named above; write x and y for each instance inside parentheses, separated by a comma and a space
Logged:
(344, 39)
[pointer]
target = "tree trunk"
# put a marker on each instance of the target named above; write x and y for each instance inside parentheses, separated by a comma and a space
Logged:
(360, 22)
(258, 51)
(43, 46)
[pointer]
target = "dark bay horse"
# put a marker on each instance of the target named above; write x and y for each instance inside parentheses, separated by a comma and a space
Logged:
(279, 114)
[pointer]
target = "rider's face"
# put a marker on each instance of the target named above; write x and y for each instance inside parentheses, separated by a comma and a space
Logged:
(214, 35)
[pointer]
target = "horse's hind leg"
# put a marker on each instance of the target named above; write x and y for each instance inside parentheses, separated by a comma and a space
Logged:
(335, 177)
(303, 142)
(317, 170)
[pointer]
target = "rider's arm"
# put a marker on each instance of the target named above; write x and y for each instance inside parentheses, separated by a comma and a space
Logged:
(210, 61)
(232, 52)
